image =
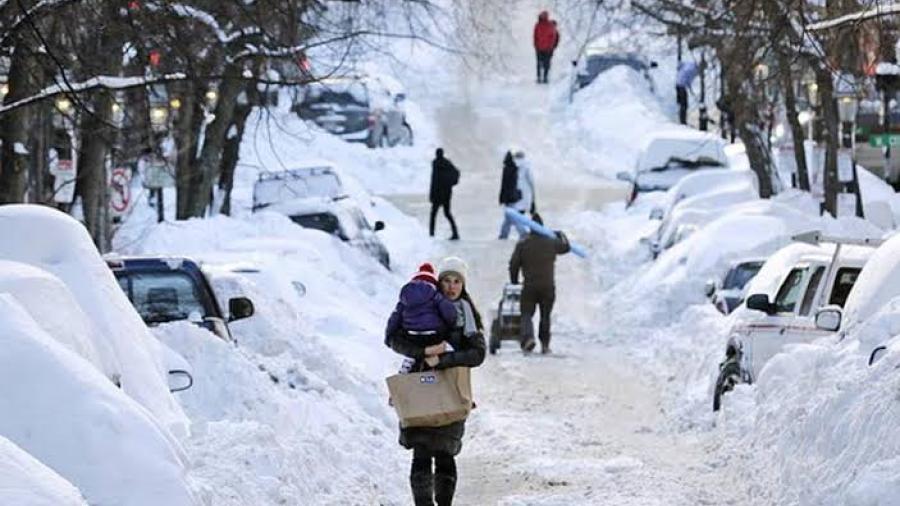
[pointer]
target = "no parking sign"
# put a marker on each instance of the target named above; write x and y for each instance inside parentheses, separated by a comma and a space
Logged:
(119, 190)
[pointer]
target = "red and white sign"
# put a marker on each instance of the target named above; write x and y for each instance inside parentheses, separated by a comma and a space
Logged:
(119, 190)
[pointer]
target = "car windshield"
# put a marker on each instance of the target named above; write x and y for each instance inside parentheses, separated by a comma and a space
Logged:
(326, 222)
(680, 163)
(739, 276)
(163, 296)
(349, 92)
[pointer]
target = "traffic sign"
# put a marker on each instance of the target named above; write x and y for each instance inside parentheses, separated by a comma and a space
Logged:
(881, 140)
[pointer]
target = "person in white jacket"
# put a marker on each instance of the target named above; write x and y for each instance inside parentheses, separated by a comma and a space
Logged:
(525, 186)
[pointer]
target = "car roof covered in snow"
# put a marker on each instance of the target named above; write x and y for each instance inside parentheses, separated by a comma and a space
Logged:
(878, 283)
(682, 144)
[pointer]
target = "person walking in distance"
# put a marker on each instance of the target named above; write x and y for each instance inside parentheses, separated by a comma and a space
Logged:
(686, 72)
(444, 176)
(521, 196)
(546, 38)
(535, 256)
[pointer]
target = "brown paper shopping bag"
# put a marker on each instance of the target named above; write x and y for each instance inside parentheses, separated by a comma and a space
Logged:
(431, 398)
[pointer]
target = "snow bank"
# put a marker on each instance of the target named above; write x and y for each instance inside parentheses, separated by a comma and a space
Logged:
(594, 120)
(61, 246)
(877, 284)
(61, 410)
(25, 481)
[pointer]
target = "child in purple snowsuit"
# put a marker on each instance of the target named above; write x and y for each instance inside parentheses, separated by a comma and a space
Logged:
(422, 311)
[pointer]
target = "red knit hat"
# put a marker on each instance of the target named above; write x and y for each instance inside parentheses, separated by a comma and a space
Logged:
(426, 273)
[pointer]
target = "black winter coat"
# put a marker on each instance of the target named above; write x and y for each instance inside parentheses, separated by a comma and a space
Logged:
(444, 176)
(509, 184)
(469, 352)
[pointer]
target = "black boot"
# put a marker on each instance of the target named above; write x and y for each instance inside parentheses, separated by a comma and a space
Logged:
(444, 488)
(422, 485)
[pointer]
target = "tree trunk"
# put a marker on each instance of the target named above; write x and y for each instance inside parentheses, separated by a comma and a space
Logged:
(96, 137)
(232, 152)
(829, 137)
(15, 127)
(186, 131)
(210, 158)
(790, 104)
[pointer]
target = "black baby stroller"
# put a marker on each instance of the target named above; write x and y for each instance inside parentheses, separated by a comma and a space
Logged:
(507, 323)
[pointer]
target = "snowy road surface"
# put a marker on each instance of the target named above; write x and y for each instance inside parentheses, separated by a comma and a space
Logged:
(586, 425)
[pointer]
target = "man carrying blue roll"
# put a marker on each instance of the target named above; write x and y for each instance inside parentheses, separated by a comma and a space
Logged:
(535, 255)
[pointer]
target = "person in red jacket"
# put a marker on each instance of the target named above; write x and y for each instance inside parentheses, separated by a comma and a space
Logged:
(546, 38)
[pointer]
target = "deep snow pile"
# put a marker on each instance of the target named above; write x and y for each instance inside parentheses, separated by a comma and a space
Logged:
(24, 480)
(65, 413)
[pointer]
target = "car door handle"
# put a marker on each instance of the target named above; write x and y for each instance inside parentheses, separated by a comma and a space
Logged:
(783, 330)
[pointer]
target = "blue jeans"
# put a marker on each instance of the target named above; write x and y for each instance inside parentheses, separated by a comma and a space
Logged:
(508, 222)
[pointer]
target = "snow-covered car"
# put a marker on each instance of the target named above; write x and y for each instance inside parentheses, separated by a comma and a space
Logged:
(595, 59)
(727, 293)
(365, 108)
(341, 218)
(785, 297)
(313, 180)
(878, 284)
(670, 155)
(696, 211)
(705, 181)
(167, 289)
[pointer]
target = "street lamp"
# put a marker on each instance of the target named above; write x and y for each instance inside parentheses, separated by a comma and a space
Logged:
(887, 76)
(848, 105)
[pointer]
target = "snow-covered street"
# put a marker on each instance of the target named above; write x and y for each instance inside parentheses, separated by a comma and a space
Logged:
(235, 358)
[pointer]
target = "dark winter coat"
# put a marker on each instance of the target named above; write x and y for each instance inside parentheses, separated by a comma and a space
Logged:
(468, 351)
(545, 36)
(509, 183)
(444, 176)
(535, 255)
(422, 307)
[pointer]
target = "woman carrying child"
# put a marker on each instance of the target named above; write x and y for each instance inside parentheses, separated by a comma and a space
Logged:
(462, 344)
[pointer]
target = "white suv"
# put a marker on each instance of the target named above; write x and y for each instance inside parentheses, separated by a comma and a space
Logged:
(786, 294)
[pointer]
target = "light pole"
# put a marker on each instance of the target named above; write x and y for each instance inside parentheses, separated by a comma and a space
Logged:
(848, 106)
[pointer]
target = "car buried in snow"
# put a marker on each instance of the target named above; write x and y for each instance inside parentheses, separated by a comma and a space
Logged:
(786, 297)
(670, 155)
(167, 289)
(726, 294)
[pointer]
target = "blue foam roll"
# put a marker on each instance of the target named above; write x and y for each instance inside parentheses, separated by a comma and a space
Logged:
(524, 220)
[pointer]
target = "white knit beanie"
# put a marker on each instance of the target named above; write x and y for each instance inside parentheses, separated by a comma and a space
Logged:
(455, 265)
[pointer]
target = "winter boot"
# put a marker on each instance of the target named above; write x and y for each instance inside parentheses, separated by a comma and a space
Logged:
(444, 488)
(422, 489)
(528, 345)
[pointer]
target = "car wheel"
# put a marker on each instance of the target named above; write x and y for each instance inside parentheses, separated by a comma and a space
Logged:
(729, 377)
(494, 344)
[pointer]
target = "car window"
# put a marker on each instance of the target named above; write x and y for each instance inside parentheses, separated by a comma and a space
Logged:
(349, 92)
(789, 293)
(740, 275)
(326, 222)
(165, 296)
(291, 185)
(843, 283)
(811, 288)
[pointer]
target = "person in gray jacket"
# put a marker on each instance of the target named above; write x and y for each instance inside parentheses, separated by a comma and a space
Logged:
(535, 256)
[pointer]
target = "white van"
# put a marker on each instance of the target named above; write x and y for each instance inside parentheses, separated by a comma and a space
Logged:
(785, 298)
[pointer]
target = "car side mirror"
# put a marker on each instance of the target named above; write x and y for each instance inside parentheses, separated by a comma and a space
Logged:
(180, 380)
(828, 318)
(379, 225)
(240, 308)
(656, 213)
(760, 302)
(710, 288)
(574, 63)
(399, 98)
(625, 176)
(877, 352)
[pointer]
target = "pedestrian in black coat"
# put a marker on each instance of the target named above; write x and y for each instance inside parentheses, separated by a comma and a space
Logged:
(444, 176)
(439, 445)
(509, 183)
